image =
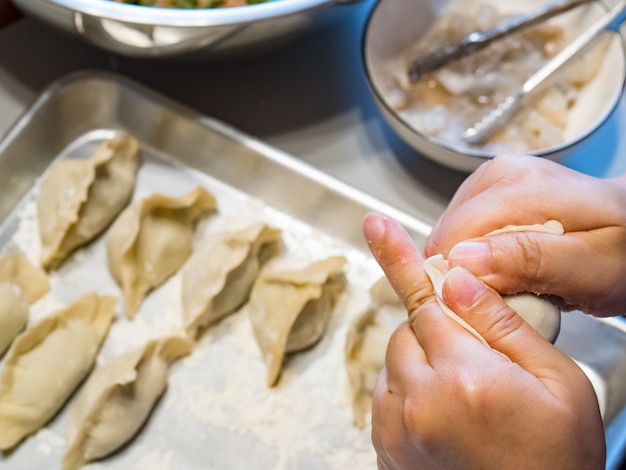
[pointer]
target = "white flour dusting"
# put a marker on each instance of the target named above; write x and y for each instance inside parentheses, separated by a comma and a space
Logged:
(218, 412)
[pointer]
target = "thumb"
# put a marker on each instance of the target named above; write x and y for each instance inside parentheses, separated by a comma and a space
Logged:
(501, 327)
(570, 266)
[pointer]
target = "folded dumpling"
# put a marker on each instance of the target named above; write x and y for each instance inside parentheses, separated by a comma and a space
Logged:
(151, 240)
(219, 275)
(21, 284)
(117, 399)
(13, 315)
(538, 311)
(47, 362)
(366, 345)
(79, 198)
(290, 308)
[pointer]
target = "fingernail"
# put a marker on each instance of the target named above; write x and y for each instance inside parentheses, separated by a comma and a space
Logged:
(374, 226)
(473, 256)
(464, 288)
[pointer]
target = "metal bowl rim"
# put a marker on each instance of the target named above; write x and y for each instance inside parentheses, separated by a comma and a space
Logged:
(188, 18)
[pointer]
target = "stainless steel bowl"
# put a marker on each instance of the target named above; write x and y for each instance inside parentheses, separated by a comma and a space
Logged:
(394, 26)
(165, 32)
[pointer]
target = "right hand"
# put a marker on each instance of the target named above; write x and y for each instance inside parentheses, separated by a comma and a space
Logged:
(585, 267)
(444, 400)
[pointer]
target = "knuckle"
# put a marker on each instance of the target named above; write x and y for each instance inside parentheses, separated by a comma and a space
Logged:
(531, 258)
(502, 325)
(475, 390)
(417, 299)
(527, 267)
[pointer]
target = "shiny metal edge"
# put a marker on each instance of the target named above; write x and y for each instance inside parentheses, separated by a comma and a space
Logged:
(110, 10)
(17, 175)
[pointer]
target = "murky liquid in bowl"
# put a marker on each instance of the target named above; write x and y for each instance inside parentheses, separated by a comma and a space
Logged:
(447, 101)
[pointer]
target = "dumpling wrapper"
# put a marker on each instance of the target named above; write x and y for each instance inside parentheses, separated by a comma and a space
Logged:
(117, 400)
(539, 311)
(21, 284)
(47, 362)
(31, 281)
(151, 240)
(219, 274)
(366, 345)
(79, 198)
(13, 315)
(290, 308)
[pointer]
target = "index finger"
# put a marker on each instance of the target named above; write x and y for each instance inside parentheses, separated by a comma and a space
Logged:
(391, 245)
(400, 259)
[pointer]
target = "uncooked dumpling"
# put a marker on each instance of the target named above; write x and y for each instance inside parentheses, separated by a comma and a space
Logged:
(21, 284)
(47, 362)
(13, 315)
(219, 275)
(366, 345)
(290, 308)
(151, 240)
(80, 198)
(539, 311)
(117, 399)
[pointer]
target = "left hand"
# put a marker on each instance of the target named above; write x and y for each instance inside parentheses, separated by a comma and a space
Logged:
(445, 401)
(584, 267)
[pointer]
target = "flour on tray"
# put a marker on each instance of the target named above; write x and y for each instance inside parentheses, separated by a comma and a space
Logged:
(217, 411)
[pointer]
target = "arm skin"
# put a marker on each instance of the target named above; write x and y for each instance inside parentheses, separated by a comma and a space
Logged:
(445, 401)
(586, 266)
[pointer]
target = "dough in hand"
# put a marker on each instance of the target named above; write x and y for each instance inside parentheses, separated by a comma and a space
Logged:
(21, 284)
(290, 308)
(117, 399)
(218, 277)
(47, 362)
(366, 345)
(151, 240)
(79, 198)
(539, 311)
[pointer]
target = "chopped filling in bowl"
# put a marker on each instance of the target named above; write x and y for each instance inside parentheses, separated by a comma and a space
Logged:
(192, 3)
(447, 101)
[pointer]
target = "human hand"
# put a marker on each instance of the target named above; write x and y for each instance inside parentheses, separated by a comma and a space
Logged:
(585, 267)
(446, 401)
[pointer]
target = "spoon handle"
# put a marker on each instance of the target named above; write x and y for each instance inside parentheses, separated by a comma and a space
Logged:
(481, 39)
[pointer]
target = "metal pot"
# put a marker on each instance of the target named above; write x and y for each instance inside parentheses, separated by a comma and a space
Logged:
(165, 32)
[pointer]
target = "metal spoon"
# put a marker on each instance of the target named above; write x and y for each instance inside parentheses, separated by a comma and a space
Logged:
(481, 39)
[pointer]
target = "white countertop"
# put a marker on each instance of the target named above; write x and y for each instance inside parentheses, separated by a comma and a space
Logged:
(308, 98)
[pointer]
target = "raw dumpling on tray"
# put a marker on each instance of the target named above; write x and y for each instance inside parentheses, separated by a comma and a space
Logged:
(291, 307)
(219, 275)
(79, 198)
(47, 362)
(118, 398)
(366, 345)
(151, 240)
(21, 284)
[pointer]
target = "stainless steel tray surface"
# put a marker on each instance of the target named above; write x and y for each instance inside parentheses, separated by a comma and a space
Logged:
(217, 412)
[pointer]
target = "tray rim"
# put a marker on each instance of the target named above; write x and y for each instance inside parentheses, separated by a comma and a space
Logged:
(282, 158)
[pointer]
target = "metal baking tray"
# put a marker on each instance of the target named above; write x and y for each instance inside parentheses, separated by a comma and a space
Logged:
(205, 420)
